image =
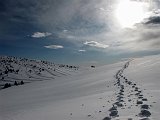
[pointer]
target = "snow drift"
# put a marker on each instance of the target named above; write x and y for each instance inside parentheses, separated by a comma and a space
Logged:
(126, 90)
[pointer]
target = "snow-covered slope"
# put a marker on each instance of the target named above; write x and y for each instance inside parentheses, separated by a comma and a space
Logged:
(21, 69)
(123, 91)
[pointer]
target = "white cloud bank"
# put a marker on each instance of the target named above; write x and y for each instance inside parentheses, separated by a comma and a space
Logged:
(54, 46)
(95, 44)
(40, 34)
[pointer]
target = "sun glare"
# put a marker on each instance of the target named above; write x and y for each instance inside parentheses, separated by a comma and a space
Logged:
(130, 12)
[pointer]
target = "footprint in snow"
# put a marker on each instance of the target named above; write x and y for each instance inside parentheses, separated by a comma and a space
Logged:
(144, 113)
(144, 99)
(139, 102)
(114, 113)
(145, 119)
(107, 118)
(122, 82)
(145, 106)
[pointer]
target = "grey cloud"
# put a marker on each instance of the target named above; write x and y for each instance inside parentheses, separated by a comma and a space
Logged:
(79, 17)
(153, 20)
(144, 37)
(27, 9)
(59, 14)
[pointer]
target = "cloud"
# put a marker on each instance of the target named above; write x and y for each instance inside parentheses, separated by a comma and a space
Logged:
(82, 50)
(153, 20)
(40, 34)
(78, 21)
(59, 14)
(54, 46)
(96, 44)
(153, 17)
(145, 37)
(65, 31)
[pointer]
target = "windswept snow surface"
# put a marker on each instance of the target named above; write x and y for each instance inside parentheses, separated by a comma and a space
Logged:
(128, 90)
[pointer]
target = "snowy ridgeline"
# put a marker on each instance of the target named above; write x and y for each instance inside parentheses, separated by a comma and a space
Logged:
(18, 71)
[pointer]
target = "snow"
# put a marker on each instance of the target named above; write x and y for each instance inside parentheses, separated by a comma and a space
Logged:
(26, 70)
(88, 94)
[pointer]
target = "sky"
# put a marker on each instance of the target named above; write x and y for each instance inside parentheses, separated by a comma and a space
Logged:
(79, 31)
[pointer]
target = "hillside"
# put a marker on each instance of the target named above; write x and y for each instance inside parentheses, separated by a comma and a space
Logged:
(126, 90)
(24, 70)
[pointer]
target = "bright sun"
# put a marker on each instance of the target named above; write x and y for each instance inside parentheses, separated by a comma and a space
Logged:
(130, 12)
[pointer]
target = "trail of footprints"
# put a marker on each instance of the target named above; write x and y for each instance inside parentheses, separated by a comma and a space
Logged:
(129, 95)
